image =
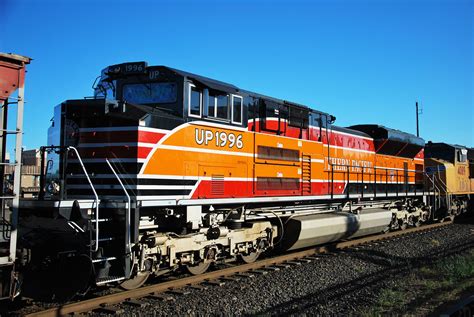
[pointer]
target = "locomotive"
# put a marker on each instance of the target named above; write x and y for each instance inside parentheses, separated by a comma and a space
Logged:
(164, 170)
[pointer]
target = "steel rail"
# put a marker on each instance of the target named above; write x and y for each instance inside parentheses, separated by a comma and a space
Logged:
(94, 303)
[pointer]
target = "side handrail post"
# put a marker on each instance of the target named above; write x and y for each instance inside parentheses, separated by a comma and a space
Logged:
(96, 246)
(127, 217)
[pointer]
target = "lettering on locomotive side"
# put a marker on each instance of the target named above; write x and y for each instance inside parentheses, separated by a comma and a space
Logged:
(219, 138)
(341, 164)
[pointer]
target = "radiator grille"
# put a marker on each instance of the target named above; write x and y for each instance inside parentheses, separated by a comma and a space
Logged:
(275, 183)
(217, 185)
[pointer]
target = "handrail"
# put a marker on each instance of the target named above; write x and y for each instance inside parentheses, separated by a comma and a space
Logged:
(96, 247)
(369, 171)
(445, 186)
(127, 217)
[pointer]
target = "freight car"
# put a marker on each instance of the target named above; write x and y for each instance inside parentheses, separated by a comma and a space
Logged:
(163, 169)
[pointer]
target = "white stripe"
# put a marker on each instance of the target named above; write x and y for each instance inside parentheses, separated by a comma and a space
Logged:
(161, 141)
(170, 187)
(132, 144)
(155, 130)
(216, 201)
(348, 148)
(349, 134)
(395, 169)
(218, 125)
(194, 189)
(201, 150)
(102, 160)
(152, 176)
(128, 128)
(140, 176)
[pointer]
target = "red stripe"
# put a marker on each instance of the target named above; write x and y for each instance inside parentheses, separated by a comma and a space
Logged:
(115, 152)
(120, 136)
(150, 137)
(336, 139)
(108, 136)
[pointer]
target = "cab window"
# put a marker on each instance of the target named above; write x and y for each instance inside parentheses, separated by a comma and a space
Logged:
(195, 100)
(237, 105)
(222, 105)
(217, 106)
(462, 155)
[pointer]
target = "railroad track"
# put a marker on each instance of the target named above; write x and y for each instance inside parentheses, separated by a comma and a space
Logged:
(216, 277)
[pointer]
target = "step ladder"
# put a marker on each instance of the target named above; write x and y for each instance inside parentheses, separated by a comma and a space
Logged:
(100, 242)
(305, 174)
(12, 77)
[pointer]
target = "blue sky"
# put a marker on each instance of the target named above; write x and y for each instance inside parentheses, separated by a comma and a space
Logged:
(362, 61)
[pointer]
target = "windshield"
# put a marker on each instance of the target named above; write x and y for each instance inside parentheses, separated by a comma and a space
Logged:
(147, 93)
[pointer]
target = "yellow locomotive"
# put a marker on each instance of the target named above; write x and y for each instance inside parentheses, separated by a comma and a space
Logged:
(450, 170)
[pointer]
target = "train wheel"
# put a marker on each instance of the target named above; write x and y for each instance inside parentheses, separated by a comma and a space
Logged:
(136, 281)
(416, 221)
(251, 257)
(199, 268)
(403, 224)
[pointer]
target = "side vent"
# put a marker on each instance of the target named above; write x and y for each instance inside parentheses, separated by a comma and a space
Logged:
(217, 185)
(274, 183)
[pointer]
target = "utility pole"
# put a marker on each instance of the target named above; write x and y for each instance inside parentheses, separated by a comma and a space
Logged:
(418, 112)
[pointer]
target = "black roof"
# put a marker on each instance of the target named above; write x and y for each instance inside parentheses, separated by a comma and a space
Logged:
(209, 82)
(443, 144)
(381, 132)
(230, 88)
(350, 131)
(118, 70)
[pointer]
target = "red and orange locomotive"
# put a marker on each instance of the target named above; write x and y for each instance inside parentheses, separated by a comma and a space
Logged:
(164, 169)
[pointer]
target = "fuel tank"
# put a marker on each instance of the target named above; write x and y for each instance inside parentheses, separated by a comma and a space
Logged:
(309, 230)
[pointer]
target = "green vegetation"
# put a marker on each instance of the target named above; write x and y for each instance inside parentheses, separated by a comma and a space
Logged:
(426, 288)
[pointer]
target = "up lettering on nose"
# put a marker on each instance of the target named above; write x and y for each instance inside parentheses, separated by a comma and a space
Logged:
(208, 137)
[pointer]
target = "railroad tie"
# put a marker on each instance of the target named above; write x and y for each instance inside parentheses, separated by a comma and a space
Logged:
(198, 287)
(180, 291)
(135, 303)
(215, 283)
(271, 268)
(110, 310)
(233, 278)
(245, 274)
(161, 297)
(282, 265)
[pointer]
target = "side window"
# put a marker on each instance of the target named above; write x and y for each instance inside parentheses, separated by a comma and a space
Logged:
(298, 117)
(212, 104)
(316, 125)
(462, 155)
(222, 107)
(237, 105)
(195, 101)
(217, 106)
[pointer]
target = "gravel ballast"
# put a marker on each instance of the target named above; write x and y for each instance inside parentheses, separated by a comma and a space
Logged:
(343, 283)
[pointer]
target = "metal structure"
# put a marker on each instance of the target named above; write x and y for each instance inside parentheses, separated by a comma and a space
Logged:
(12, 79)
